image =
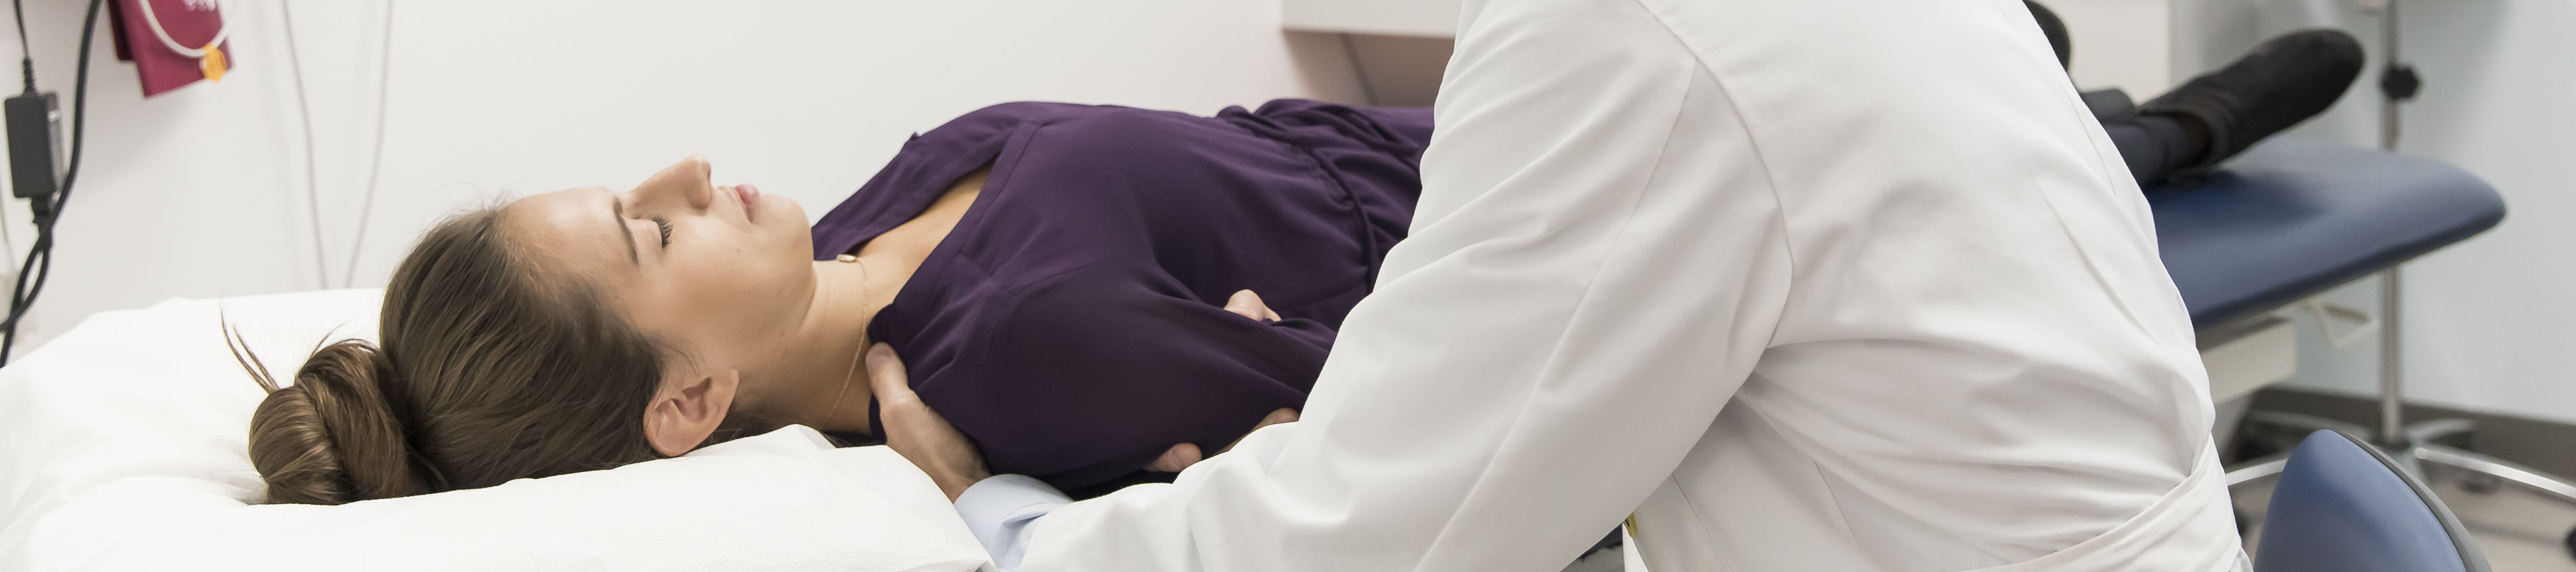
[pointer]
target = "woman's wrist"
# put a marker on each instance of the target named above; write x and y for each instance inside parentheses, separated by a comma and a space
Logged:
(954, 481)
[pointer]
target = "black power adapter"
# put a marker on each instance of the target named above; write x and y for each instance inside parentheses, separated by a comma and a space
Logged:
(37, 169)
(35, 147)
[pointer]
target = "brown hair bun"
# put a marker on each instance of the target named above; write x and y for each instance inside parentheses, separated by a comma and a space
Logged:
(491, 367)
(333, 437)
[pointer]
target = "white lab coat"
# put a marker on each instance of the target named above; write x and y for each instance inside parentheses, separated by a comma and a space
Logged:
(1806, 285)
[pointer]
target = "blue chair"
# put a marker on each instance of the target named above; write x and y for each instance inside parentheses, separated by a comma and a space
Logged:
(2343, 506)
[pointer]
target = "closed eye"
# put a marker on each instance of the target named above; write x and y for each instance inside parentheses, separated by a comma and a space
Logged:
(665, 225)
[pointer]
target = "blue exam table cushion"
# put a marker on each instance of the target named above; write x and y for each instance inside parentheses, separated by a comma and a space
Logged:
(2293, 217)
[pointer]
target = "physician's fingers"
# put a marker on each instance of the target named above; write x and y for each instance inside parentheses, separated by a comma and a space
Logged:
(1244, 303)
(1176, 458)
(918, 433)
(887, 376)
(1274, 418)
(1283, 415)
(1249, 305)
(1183, 455)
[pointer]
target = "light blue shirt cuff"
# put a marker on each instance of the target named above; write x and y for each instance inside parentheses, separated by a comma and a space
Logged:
(1001, 510)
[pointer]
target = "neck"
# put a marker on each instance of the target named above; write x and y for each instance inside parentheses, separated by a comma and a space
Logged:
(847, 295)
(831, 390)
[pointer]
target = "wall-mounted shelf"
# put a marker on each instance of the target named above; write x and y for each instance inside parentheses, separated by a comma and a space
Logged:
(1414, 18)
(1401, 46)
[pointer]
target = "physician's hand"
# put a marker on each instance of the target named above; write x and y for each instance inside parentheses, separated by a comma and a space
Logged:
(1249, 305)
(918, 433)
(1183, 455)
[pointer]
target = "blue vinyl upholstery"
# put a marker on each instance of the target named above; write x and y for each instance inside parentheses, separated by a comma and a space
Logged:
(2341, 506)
(2293, 217)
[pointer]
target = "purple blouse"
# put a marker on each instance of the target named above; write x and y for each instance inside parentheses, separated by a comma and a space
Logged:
(1072, 323)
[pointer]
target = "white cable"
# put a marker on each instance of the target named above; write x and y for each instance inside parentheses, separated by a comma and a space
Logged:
(155, 23)
(312, 180)
(375, 166)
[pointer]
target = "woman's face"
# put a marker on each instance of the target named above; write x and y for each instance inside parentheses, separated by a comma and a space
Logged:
(723, 274)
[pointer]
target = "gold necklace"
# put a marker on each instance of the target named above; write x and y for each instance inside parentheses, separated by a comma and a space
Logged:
(864, 294)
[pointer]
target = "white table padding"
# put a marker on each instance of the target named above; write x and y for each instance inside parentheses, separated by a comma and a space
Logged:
(122, 447)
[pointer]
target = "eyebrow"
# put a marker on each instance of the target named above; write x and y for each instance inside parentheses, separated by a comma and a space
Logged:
(617, 212)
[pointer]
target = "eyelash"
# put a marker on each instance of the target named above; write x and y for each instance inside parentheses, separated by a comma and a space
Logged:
(665, 225)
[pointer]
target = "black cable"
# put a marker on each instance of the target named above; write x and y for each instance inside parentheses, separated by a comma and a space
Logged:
(40, 256)
(26, 56)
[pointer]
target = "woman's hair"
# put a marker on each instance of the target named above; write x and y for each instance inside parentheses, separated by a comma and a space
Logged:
(488, 371)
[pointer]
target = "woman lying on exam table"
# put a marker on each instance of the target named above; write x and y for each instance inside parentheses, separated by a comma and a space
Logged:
(1072, 286)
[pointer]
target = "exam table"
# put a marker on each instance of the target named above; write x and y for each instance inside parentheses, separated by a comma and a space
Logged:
(2251, 246)
(2293, 217)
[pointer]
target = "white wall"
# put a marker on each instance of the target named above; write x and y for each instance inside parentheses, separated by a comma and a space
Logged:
(201, 192)
(2487, 321)
(2119, 43)
(2496, 314)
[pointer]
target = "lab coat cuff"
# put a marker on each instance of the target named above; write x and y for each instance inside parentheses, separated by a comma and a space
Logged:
(1001, 510)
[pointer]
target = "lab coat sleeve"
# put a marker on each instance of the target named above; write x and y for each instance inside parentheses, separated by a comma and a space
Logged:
(1597, 262)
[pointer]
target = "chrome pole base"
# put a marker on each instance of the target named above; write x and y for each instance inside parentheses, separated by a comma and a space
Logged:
(2421, 444)
(2477, 464)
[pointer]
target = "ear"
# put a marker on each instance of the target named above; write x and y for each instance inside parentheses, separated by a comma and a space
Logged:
(684, 413)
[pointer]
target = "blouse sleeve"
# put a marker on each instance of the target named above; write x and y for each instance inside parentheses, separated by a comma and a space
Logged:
(1110, 366)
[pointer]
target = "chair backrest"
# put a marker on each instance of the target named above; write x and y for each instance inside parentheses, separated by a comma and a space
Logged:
(2343, 506)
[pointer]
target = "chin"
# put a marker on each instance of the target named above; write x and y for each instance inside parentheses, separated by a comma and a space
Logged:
(782, 215)
(794, 212)
(782, 211)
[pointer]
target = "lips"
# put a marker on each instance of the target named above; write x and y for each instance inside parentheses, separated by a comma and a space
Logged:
(749, 195)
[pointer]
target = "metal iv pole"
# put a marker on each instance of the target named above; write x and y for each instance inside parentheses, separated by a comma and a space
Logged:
(2413, 444)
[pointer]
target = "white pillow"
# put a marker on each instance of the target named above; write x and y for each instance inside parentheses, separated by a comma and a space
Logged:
(123, 447)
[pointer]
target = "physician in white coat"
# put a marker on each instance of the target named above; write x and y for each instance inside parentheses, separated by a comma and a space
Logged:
(1802, 285)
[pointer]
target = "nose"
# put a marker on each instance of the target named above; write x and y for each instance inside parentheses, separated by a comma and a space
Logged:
(686, 182)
